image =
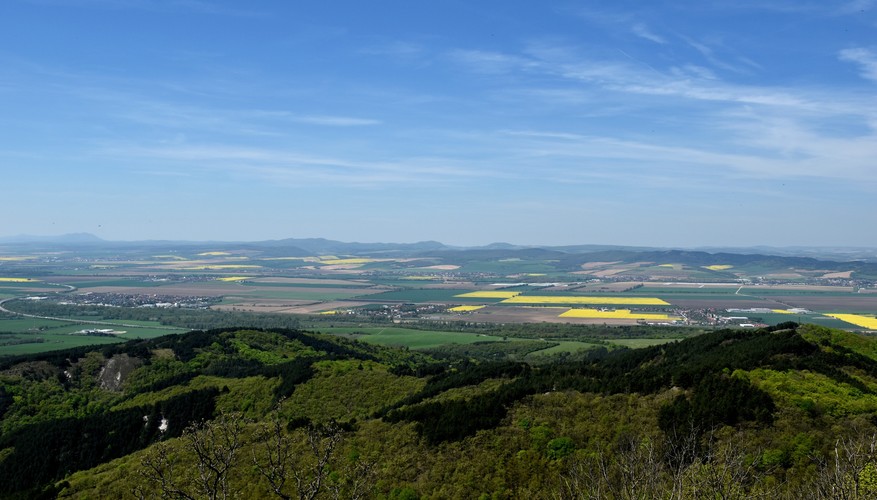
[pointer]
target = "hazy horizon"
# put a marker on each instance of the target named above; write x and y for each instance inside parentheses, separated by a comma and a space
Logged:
(667, 124)
(37, 238)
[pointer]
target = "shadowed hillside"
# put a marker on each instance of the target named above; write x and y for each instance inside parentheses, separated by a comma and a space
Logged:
(773, 412)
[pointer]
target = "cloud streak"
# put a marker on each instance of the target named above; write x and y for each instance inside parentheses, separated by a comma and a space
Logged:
(642, 31)
(865, 58)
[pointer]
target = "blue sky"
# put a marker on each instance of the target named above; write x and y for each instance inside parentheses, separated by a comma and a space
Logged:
(683, 123)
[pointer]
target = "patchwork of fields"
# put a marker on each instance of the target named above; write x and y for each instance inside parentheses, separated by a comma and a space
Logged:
(403, 290)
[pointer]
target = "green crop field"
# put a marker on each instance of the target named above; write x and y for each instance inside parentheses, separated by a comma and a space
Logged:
(413, 339)
(27, 284)
(724, 297)
(60, 338)
(304, 285)
(638, 343)
(128, 283)
(562, 346)
(425, 295)
(508, 267)
(768, 292)
(674, 290)
(19, 324)
(295, 294)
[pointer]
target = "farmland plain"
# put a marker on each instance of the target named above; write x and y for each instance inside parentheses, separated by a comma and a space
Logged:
(394, 290)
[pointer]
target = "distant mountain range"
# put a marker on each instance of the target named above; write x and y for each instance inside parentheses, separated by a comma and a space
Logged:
(322, 246)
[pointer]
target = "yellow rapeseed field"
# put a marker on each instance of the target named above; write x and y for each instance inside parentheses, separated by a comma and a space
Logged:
(781, 311)
(17, 280)
(580, 299)
(486, 294)
(15, 258)
(234, 278)
(327, 313)
(465, 308)
(718, 267)
(616, 314)
(855, 319)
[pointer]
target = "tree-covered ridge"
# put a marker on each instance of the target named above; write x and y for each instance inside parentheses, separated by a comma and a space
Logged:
(49, 401)
(778, 409)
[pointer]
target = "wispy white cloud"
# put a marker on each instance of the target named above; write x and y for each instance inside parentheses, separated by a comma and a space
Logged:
(295, 168)
(757, 148)
(490, 62)
(642, 31)
(865, 58)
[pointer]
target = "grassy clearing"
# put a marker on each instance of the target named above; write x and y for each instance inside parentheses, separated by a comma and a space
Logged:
(19, 324)
(410, 338)
(60, 338)
(565, 346)
(638, 343)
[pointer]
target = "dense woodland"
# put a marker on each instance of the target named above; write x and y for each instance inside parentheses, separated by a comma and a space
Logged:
(240, 413)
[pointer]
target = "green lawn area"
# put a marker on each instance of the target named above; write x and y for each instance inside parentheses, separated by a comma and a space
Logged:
(565, 346)
(60, 338)
(128, 283)
(57, 334)
(638, 343)
(293, 294)
(413, 339)
(417, 295)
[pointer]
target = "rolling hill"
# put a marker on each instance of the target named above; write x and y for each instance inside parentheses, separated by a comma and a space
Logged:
(773, 412)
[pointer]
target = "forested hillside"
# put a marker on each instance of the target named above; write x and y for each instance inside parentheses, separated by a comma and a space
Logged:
(782, 412)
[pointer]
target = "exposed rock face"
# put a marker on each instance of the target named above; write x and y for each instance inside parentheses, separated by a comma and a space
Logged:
(116, 371)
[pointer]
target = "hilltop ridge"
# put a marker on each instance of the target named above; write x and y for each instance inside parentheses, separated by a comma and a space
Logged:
(781, 397)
